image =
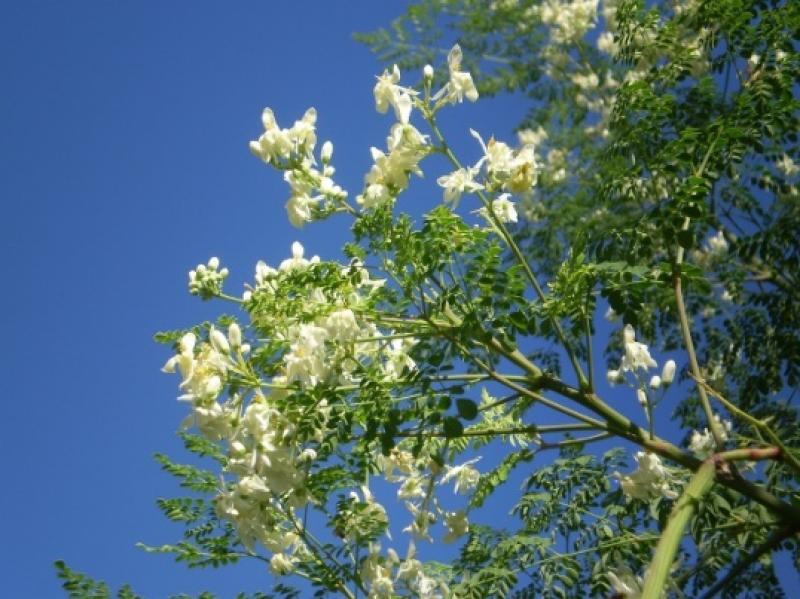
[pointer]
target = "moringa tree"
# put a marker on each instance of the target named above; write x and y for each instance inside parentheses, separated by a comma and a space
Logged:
(653, 179)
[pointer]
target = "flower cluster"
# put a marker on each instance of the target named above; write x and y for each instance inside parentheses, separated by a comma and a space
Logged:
(511, 170)
(391, 171)
(703, 444)
(649, 481)
(637, 357)
(207, 279)
(313, 192)
(568, 21)
(383, 574)
(505, 169)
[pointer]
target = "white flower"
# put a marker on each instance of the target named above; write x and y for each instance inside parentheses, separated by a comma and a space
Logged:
(465, 475)
(568, 20)
(655, 381)
(342, 326)
(307, 455)
(606, 44)
(235, 335)
(303, 133)
(306, 360)
(276, 143)
(460, 85)
(397, 358)
(459, 182)
(388, 93)
(703, 444)
(299, 209)
(326, 153)
(613, 377)
(412, 487)
(641, 396)
(503, 209)
(668, 373)
(649, 481)
(787, 166)
(410, 569)
(636, 354)
(390, 172)
(516, 171)
(717, 244)
(281, 564)
(530, 137)
(218, 341)
(297, 261)
(586, 82)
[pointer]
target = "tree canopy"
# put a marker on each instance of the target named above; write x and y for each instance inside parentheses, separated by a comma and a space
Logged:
(653, 180)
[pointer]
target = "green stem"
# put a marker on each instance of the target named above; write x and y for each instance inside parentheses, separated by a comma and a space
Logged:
(670, 540)
(230, 298)
(576, 441)
(540, 398)
(716, 427)
(713, 424)
(752, 454)
(589, 352)
(520, 430)
(515, 249)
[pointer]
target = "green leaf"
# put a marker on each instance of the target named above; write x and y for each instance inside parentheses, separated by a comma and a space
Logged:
(452, 427)
(467, 409)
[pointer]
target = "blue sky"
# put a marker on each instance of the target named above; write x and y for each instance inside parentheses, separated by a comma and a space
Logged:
(124, 150)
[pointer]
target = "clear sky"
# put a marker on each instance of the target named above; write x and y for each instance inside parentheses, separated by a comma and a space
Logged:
(123, 144)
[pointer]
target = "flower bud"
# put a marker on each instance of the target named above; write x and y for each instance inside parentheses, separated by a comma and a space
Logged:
(427, 72)
(187, 343)
(613, 377)
(326, 152)
(628, 334)
(219, 342)
(655, 382)
(213, 386)
(641, 395)
(235, 335)
(213, 263)
(668, 373)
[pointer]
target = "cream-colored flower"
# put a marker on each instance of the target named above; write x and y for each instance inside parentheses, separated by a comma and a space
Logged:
(649, 481)
(459, 182)
(387, 93)
(465, 475)
(460, 85)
